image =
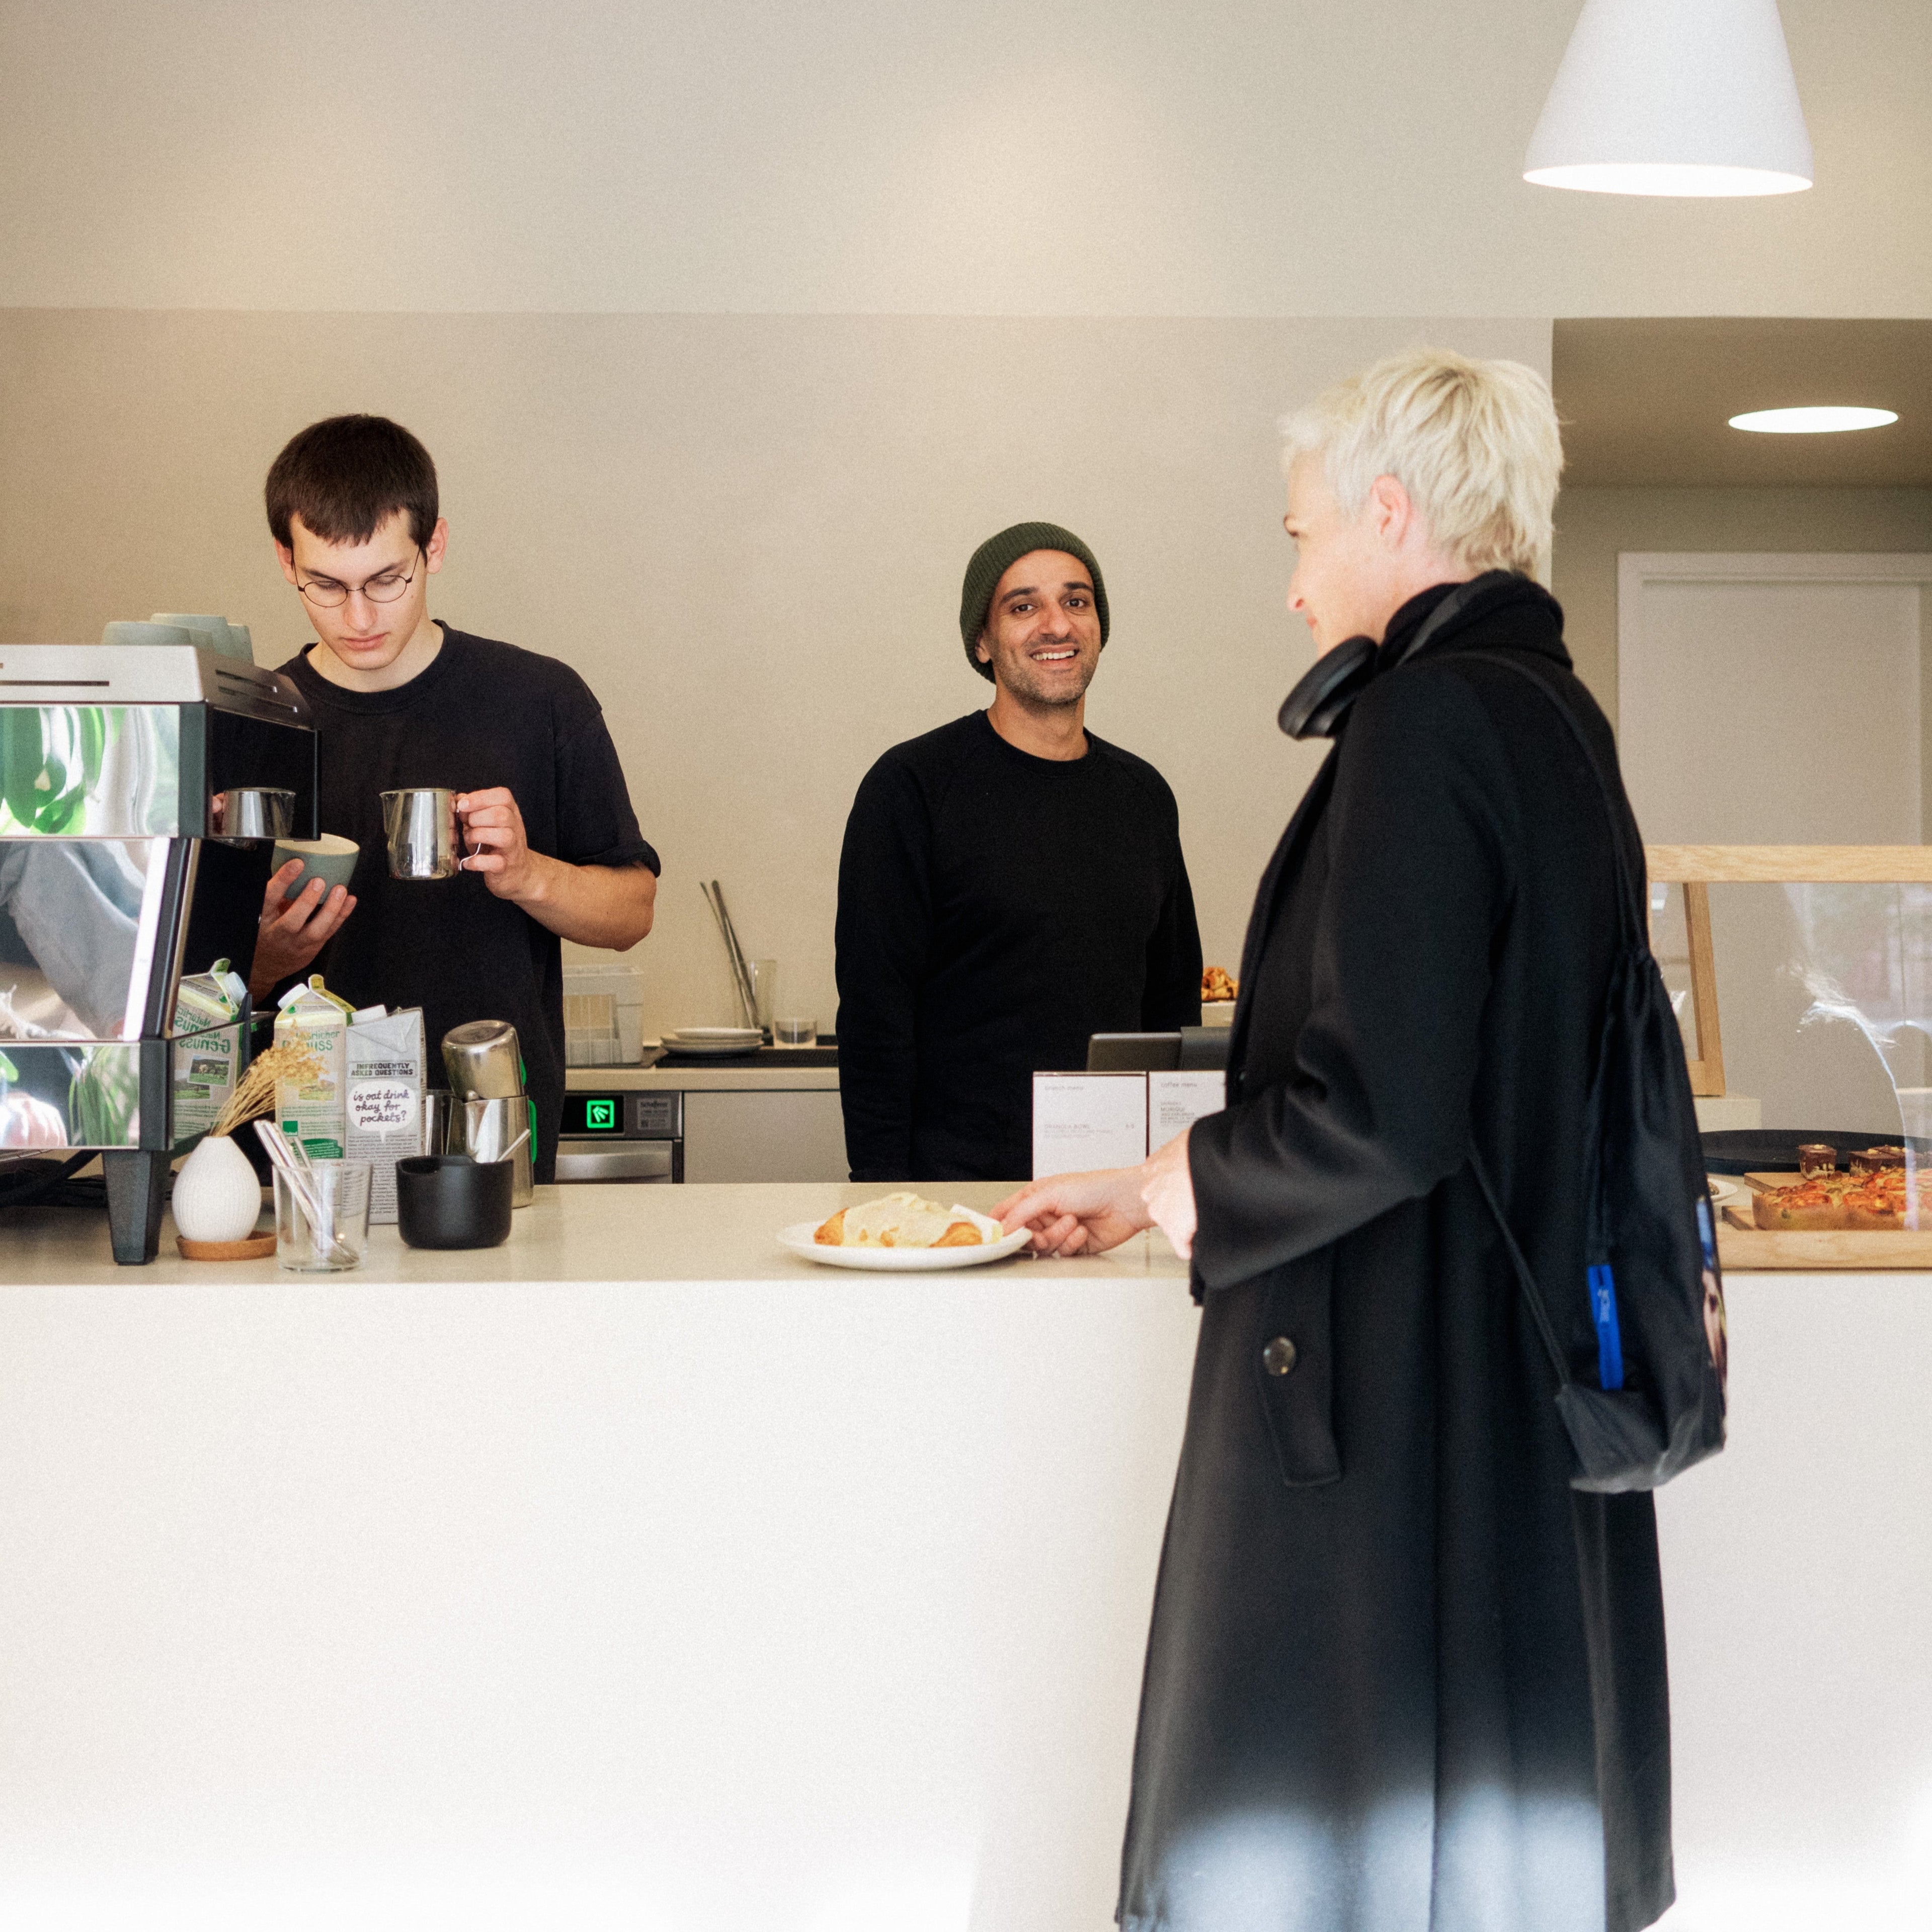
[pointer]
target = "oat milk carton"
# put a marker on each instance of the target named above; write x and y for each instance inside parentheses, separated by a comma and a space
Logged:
(312, 1111)
(384, 1103)
(208, 1049)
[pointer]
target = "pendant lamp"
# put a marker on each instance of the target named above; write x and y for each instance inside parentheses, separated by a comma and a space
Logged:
(1673, 97)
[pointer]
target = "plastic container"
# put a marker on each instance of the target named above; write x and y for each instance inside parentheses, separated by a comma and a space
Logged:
(603, 1015)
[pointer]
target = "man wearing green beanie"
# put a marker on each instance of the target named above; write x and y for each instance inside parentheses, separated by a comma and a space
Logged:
(1010, 884)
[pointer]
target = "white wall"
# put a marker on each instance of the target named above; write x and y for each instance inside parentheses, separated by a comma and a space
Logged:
(748, 532)
(1058, 157)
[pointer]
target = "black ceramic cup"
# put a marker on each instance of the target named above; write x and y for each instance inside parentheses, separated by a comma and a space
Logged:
(449, 1201)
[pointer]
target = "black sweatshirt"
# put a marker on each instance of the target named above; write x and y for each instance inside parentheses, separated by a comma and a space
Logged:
(482, 714)
(994, 909)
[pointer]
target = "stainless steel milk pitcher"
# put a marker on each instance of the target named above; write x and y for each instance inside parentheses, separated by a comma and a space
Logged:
(420, 825)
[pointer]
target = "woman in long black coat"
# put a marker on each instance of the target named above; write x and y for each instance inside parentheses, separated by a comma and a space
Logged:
(1401, 1677)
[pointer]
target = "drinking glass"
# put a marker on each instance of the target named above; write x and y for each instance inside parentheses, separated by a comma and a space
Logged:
(765, 990)
(340, 1190)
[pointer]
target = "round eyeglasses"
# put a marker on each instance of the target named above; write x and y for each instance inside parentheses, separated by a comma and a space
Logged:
(383, 588)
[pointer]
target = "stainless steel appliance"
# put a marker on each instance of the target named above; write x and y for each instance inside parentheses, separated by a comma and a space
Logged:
(115, 882)
(621, 1136)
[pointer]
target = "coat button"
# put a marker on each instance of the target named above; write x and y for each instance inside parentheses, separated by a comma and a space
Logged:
(1280, 1357)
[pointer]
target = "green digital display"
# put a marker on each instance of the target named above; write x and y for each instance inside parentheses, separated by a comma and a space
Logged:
(600, 1116)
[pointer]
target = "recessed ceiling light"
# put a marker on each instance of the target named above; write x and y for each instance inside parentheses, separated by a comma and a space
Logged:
(1812, 421)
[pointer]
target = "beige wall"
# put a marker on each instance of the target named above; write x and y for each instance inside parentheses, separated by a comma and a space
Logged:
(747, 533)
(985, 156)
(1593, 526)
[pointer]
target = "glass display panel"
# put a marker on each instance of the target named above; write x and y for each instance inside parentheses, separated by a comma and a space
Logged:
(1824, 998)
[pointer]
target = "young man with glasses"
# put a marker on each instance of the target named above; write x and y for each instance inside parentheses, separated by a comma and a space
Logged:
(553, 850)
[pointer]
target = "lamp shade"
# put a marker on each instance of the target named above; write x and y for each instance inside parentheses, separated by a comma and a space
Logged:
(1674, 97)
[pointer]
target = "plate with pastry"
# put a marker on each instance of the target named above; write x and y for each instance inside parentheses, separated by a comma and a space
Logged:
(902, 1233)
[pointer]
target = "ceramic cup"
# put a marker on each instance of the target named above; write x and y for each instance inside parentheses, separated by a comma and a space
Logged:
(230, 640)
(331, 859)
(146, 634)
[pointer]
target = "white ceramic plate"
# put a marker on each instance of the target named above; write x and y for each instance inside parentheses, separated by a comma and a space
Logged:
(1723, 1192)
(897, 1261)
(711, 1036)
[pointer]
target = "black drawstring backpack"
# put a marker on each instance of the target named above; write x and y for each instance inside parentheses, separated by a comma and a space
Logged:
(1655, 1405)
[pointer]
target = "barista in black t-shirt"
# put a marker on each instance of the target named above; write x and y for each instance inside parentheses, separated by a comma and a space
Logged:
(400, 700)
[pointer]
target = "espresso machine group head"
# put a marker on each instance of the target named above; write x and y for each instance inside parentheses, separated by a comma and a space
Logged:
(118, 878)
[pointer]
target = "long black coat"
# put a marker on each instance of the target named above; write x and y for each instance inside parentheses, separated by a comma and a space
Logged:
(1401, 1677)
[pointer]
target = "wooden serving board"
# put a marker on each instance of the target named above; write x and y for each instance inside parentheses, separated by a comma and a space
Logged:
(1742, 1244)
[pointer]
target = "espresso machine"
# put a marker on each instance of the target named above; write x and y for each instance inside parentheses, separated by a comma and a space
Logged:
(142, 790)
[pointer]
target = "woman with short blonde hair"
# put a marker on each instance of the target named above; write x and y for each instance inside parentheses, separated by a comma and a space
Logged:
(1476, 444)
(1401, 1677)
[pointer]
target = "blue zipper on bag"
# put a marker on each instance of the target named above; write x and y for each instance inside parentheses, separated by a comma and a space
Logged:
(1609, 1336)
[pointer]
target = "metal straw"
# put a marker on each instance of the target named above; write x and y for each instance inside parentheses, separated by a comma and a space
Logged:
(744, 965)
(715, 898)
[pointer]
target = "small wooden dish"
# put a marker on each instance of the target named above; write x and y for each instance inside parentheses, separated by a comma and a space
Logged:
(255, 1248)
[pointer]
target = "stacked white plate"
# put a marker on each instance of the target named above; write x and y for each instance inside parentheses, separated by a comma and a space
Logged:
(719, 1042)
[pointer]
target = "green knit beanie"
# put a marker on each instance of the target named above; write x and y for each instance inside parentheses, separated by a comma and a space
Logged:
(995, 557)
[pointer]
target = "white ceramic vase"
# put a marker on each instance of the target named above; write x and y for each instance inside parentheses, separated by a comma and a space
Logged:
(217, 1196)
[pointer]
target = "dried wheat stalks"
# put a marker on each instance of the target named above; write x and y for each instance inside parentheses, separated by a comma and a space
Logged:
(257, 1093)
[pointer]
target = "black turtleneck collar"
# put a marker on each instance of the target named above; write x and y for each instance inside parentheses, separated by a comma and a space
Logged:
(1511, 610)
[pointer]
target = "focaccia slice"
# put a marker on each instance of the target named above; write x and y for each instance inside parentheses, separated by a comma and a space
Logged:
(1807, 1207)
(905, 1220)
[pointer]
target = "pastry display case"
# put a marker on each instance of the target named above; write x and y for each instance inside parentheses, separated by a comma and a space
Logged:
(1802, 978)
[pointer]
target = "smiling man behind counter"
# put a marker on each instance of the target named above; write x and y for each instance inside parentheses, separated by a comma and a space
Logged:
(1010, 884)
(400, 700)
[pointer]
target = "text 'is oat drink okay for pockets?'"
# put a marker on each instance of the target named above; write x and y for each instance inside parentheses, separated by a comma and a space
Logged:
(314, 1111)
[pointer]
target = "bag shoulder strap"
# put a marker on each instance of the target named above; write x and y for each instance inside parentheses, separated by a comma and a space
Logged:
(1532, 1295)
(1631, 896)
(1627, 896)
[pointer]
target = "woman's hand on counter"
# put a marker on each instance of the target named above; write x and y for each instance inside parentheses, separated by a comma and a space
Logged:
(293, 931)
(1077, 1214)
(1088, 1214)
(1167, 1193)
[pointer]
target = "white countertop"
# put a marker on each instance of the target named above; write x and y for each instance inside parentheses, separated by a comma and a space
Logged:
(637, 1573)
(567, 1234)
(634, 1574)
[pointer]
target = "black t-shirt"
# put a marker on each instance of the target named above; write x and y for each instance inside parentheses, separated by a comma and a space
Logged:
(482, 714)
(994, 909)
